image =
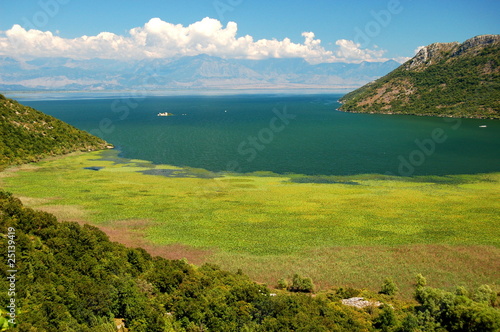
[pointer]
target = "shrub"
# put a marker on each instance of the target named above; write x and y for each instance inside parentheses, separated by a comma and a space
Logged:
(421, 281)
(283, 284)
(302, 284)
(389, 287)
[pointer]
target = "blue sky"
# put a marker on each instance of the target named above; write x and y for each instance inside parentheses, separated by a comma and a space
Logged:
(395, 27)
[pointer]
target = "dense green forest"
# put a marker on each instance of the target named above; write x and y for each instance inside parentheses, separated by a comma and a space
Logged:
(27, 135)
(72, 278)
(456, 80)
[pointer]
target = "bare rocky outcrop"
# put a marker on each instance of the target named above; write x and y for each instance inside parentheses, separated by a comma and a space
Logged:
(429, 55)
(360, 302)
(476, 43)
(434, 53)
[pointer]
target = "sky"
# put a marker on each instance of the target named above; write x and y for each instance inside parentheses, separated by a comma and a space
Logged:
(316, 30)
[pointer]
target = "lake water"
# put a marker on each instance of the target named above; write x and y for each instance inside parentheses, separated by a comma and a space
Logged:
(283, 134)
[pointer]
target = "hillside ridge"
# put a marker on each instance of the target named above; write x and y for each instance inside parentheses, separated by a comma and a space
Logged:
(28, 135)
(442, 79)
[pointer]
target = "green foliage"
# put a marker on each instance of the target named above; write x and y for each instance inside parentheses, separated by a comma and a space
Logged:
(455, 312)
(302, 284)
(283, 283)
(461, 291)
(409, 323)
(345, 293)
(484, 294)
(420, 280)
(386, 320)
(389, 287)
(297, 284)
(27, 135)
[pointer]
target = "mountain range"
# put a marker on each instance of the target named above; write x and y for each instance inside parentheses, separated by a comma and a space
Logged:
(196, 72)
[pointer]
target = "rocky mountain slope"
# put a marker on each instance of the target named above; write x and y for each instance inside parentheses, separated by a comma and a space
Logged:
(443, 79)
(27, 135)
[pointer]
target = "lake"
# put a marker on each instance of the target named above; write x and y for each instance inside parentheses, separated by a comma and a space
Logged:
(302, 134)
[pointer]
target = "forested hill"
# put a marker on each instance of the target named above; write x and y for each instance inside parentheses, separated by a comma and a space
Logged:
(27, 135)
(443, 79)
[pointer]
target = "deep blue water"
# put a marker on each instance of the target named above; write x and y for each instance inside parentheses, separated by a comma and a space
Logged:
(283, 134)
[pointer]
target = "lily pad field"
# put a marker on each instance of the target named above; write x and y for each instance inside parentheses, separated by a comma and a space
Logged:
(350, 231)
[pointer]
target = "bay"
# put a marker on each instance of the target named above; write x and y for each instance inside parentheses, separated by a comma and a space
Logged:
(302, 134)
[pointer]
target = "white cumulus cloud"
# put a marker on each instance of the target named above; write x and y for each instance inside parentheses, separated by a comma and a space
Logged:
(351, 51)
(160, 39)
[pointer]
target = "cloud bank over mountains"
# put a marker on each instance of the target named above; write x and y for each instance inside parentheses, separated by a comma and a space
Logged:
(158, 39)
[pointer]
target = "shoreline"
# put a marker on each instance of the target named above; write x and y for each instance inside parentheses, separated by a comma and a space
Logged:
(149, 167)
(416, 114)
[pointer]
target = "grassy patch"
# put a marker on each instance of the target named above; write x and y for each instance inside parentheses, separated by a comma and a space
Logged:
(444, 266)
(326, 227)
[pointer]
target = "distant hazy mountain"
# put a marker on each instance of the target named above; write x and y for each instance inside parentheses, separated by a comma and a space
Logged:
(443, 79)
(198, 72)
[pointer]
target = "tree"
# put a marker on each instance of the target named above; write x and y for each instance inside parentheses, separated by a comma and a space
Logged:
(409, 324)
(485, 294)
(301, 284)
(386, 320)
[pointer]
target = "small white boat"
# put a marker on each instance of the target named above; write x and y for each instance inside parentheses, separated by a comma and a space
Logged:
(483, 126)
(165, 114)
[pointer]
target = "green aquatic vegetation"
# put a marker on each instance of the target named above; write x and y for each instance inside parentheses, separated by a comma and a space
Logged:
(262, 220)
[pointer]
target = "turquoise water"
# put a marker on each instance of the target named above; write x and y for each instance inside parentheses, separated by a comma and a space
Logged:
(282, 134)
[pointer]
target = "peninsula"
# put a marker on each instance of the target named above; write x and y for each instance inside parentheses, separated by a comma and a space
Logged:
(442, 79)
(28, 135)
